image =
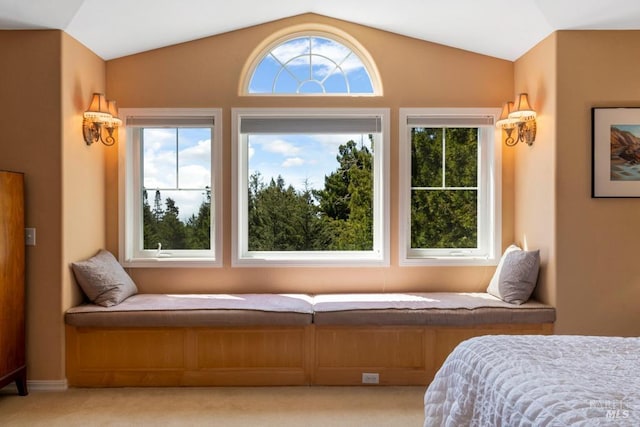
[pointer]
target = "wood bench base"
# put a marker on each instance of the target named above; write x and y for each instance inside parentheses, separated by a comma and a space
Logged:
(266, 356)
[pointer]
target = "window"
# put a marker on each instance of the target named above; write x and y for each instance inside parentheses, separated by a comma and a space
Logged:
(450, 187)
(315, 63)
(171, 189)
(310, 187)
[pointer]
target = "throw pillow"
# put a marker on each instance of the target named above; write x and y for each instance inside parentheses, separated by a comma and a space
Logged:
(516, 275)
(103, 280)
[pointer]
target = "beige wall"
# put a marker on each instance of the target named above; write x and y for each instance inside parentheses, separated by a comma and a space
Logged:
(587, 245)
(83, 167)
(206, 73)
(30, 119)
(598, 279)
(51, 79)
(535, 166)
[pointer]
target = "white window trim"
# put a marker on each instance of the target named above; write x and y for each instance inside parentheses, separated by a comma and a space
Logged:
(491, 179)
(241, 257)
(311, 29)
(127, 181)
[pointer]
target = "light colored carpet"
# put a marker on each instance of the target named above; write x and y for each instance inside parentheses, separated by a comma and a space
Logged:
(216, 406)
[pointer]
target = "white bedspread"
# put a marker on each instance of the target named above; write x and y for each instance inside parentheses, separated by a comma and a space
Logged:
(537, 381)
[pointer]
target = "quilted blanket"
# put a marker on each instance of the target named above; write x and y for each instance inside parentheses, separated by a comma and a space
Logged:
(537, 381)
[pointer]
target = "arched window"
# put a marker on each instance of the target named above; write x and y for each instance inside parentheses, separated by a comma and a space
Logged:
(312, 64)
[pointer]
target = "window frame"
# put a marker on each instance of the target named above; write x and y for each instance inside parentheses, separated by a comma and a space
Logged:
(130, 199)
(242, 257)
(489, 189)
(310, 30)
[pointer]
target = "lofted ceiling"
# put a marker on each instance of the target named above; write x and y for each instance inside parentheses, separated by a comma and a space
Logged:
(500, 28)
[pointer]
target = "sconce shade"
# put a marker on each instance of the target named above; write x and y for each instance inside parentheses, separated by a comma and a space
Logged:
(504, 121)
(113, 111)
(98, 110)
(522, 110)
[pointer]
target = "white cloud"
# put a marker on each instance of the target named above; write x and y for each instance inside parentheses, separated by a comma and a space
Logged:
(160, 165)
(195, 176)
(200, 153)
(159, 168)
(292, 162)
(280, 146)
(158, 137)
(327, 54)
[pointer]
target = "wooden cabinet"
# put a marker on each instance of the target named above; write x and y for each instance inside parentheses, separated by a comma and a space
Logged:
(12, 260)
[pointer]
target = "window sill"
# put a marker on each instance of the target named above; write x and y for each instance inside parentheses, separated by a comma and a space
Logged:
(171, 262)
(451, 261)
(274, 260)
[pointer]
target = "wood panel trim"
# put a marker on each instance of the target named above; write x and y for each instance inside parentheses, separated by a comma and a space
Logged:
(313, 365)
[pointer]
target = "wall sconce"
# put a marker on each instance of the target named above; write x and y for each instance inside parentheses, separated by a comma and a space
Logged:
(101, 121)
(519, 117)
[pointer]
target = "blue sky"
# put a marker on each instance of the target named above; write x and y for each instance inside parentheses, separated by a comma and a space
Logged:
(633, 129)
(297, 157)
(306, 65)
(185, 165)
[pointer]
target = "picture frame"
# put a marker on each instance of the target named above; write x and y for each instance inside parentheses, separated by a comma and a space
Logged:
(615, 152)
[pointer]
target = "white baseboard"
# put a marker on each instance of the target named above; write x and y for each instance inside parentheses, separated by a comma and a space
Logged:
(54, 385)
(35, 385)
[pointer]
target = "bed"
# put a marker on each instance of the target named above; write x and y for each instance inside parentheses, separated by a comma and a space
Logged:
(531, 380)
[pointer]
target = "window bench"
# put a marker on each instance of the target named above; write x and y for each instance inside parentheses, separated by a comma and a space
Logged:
(282, 339)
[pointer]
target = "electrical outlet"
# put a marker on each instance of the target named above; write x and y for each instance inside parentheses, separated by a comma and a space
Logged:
(370, 378)
(30, 236)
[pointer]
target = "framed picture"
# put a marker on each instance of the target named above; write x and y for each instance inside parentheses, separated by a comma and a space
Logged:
(616, 152)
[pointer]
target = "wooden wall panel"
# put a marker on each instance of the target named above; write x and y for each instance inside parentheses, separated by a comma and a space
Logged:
(266, 356)
(130, 349)
(250, 348)
(398, 354)
(370, 347)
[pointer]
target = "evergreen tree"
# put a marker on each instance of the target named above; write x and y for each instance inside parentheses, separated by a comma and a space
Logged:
(309, 224)
(158, 212)
(334, 198)
(198, 228)
(173, 234)
(442, 217)
(347, 199)
(150, 224)
(273, 222)
(163, 224)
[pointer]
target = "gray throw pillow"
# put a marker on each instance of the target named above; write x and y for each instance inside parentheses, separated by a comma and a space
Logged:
(516, 275)
(103, 280)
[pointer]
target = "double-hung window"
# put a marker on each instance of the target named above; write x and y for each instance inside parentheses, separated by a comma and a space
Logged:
(449, 187)
(170, 189)
(310, 187)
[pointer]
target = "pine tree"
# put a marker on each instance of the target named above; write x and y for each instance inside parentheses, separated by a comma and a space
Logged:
(347, 199)
(172, 229)
(198, 228)
(150, 223)
(441, 217)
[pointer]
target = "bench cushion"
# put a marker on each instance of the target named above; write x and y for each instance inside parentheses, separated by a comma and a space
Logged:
(433, 308)
(192, 310)
(189, 310)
